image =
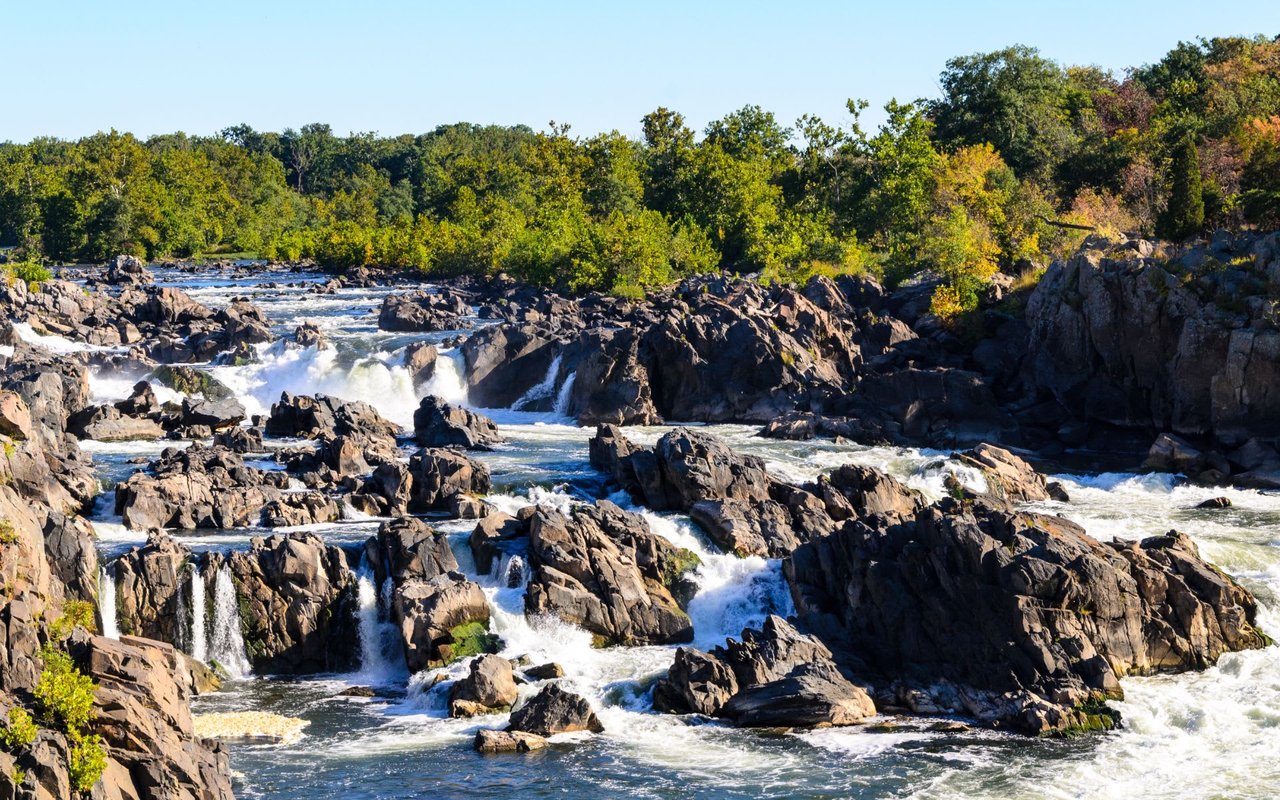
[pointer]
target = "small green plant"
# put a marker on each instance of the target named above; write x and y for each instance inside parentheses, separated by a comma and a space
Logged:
(29, 272)
(64, 698)
(19, 776)
(20, 731)
(86, 761)
(75, 614)
(7, 534)
(64, 695)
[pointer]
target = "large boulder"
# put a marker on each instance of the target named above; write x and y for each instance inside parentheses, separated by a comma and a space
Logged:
(441, 620)
(489, 687)
(443, 478)
(421, 311)
(440, 424)
(128, 270)
(554, 710)
(1008, 476)
(1021, 620)
(108, 424)
(601, 568)
(775, 677)
(405, 549)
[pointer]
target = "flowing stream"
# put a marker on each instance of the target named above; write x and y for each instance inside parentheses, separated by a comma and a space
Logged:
(1210, 734)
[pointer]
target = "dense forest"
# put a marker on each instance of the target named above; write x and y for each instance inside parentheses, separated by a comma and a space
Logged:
(1008, 167)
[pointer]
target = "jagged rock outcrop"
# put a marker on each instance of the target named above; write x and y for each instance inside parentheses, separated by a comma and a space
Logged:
(1187, 346)
(440, 424)
(601, 568)
(775, 677)
(1021, 620)
(421, 311)
(210, 487)
(150, 582)
(405, 549)
(311, 417)
(554, 710)
(297, 600)
(730, 495)
(488, 688)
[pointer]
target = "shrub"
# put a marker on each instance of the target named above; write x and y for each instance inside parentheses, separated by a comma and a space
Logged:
(20, 731)
(86, 761)
(75, 614)
(29, 272)
(64, 695)
(7, 534)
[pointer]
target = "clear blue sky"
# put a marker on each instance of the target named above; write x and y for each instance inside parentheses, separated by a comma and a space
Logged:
(73, 67)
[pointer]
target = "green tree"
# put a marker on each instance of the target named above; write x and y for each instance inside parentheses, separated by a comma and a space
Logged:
(1014, 99)
(1184, 216)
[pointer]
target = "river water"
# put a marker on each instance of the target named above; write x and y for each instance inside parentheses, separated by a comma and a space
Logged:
(1213, 734)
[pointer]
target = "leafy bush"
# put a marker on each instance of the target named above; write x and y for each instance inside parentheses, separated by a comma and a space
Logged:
(75, 614)
(64, 695)
(86, 761)
(20, 731)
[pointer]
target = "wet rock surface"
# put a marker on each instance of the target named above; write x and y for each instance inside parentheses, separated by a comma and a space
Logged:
(601, 568)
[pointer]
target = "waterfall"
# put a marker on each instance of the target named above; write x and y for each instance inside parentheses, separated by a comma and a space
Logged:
(107, 603)
(564, 395)
(228, 642)
(446, 382)
(375, 666)
(542, 389)
(199, 636)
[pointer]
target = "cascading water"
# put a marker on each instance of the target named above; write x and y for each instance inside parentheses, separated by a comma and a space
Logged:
(107, 603)
(1213, 731)
(199, 622)
(375, 665)
(447, 382)
(565, 395)
(542, 389)
(227, 648)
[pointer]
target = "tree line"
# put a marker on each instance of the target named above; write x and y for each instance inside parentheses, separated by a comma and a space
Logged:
(1007, 168)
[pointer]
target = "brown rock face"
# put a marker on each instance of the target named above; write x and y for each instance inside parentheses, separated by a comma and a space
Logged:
(1008, 477)
(603, 569)
(143, 713)
(150, 582)
(429, 612)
